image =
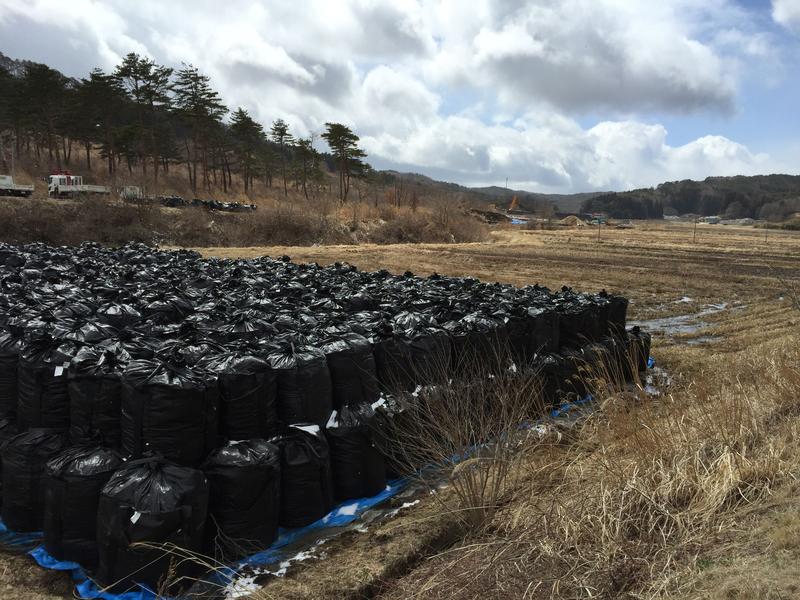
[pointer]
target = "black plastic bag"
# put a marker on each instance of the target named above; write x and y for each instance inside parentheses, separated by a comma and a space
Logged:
(119, 315)
(247, 395)
(430, 355)
(479, 343)
(639, 347)
(545, 335)
(10, 346)
(357, 465)
(621, 364)
(244, 505)
(304, 385)
(95, 394)
(352, 369)
(155, 504)
(617, 313)
(573, 326)
(555, 373)
(43, 399)
(306, 484)
(24, 457)
(394, 363)
(391, 428)
(169, 410)
(73, 482)
(8, 429)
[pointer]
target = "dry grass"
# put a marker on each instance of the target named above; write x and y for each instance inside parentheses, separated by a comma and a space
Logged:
(297, 222)
(677, 497)
(632, 505)
(471, 433)
(691, 495)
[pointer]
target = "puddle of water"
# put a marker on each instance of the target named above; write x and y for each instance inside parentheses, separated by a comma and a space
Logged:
(703, 339)
(686, 324)
(672, 325)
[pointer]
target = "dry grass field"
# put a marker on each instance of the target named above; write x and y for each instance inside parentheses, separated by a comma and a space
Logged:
(690, 494)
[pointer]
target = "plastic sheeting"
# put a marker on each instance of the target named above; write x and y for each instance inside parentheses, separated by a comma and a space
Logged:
(341, 516)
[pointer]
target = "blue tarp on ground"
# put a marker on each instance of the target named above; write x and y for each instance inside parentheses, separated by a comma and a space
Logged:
(342, 515)
(19, 541)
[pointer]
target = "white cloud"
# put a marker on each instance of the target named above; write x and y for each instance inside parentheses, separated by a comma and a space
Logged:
(786, 12)
(560, 156)
(473, 93)
(585, 54)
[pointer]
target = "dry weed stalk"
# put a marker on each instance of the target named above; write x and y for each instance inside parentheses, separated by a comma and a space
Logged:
(646, 485)
(470, 430)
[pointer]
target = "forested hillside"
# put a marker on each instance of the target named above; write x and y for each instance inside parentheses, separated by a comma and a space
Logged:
(147, 121)
(771, 197)
(148, 118)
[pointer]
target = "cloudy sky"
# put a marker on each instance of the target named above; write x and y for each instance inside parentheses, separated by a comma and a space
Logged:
(565, 96)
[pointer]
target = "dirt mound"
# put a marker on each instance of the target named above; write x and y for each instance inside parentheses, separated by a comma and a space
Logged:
(572, 221)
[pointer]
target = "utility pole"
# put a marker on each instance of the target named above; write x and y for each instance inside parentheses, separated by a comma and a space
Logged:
(599, 225)
(694, 237)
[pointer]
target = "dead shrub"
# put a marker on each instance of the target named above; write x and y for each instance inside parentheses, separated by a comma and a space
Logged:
(70, 222)
(409, 227)
(472, 430)
(645, 484)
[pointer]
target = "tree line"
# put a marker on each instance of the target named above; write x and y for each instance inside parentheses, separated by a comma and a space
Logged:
(771, 197)
(150, 118)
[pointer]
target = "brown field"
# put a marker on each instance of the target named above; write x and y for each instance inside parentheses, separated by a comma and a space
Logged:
(690, 495)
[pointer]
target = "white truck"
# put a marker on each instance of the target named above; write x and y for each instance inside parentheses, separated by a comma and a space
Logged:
(64, 185)
(9, 188)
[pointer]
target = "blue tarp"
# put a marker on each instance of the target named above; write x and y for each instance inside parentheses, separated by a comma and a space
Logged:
(19, 541)
(340, 516)
(565, 408)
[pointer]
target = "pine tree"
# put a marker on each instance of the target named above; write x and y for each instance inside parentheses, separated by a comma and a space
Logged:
(99, 108)
(42, 91)
(308, 162)
(200, 107)
(281, 136)
(148, 86)
(248, 138)
(344, 146)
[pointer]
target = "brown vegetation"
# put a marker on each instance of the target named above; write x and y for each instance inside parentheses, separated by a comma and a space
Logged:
(692, 494)
(299, 222)
(688, 495)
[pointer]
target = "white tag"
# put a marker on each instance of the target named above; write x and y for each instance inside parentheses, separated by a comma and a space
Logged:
(307, 428)
(331, 421)
(59, 372)
(135, 517)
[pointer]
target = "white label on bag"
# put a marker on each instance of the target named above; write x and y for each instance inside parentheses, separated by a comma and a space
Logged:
(59, 371)
(135, 517)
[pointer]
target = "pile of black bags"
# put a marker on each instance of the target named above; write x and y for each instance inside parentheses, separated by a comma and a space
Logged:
(153, 399)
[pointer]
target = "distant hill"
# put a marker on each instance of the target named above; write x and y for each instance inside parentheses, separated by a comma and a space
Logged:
(532, 201)
(772, 197)
(564, 203)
